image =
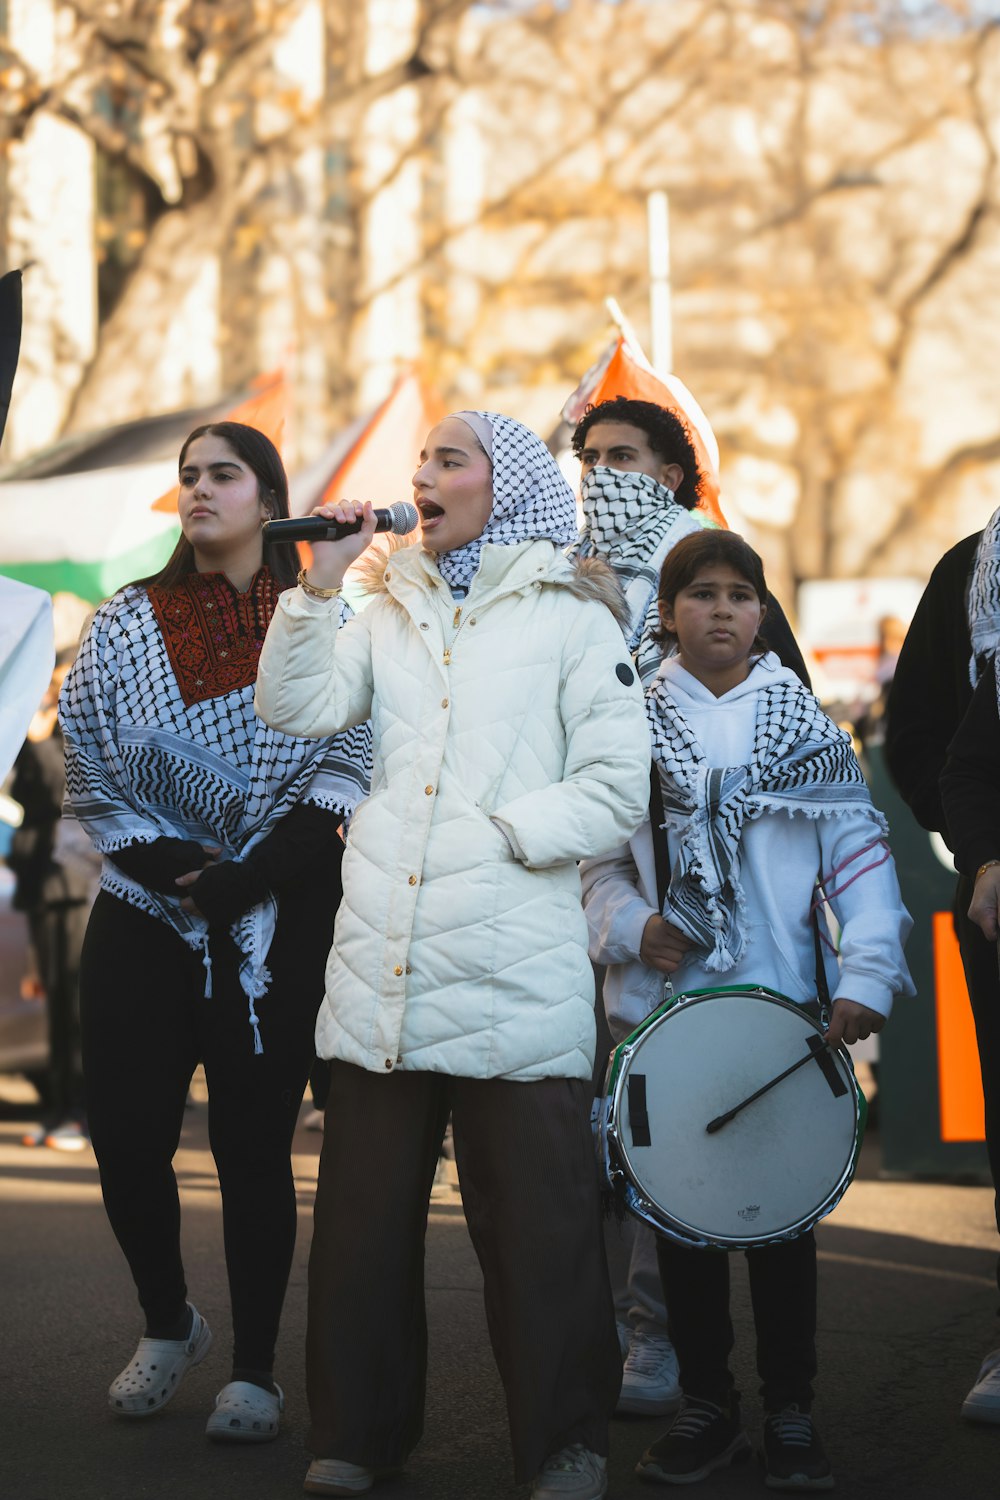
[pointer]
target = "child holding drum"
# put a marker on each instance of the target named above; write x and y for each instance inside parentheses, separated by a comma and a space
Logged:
(762, 796)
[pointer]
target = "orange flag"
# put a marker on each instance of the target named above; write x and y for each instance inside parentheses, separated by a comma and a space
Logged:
(623, 370)
(381, 464)
(266, 408)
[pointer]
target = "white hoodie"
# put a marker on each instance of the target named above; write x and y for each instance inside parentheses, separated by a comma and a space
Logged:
(781, 857)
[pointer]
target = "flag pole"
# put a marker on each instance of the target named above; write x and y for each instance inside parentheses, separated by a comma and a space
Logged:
(623, 325)
(660, 313)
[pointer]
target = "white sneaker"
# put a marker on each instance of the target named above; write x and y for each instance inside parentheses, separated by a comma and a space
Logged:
(335, 1476)
(982, 1404)
(650, 1378)
(574, 1473)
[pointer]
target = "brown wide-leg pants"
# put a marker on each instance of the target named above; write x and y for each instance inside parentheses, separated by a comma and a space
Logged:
(529, 1187)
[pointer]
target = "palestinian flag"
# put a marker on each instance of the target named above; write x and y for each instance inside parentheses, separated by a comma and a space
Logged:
(87, 533)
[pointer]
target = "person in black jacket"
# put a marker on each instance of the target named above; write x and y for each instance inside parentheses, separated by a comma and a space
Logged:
(931, 707)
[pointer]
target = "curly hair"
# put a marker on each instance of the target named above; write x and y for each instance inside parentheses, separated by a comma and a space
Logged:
(667, 433)
(700, 550)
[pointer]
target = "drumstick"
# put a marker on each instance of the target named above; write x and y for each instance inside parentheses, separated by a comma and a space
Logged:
(816, 1047)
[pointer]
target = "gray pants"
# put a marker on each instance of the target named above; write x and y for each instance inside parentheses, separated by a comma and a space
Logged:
(635, 1282)
(526, 1168)
(631, 1247)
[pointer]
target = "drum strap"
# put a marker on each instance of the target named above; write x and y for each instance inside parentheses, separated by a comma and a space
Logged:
(661, 854)
(822, 988)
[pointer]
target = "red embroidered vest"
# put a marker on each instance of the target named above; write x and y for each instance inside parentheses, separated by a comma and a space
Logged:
(212, 632)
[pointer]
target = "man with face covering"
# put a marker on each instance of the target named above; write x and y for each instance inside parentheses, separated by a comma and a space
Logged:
(639, 487)
(509, 742)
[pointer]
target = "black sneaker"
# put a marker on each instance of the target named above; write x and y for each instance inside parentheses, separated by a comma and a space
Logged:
(703, 1437)
(792, 1454)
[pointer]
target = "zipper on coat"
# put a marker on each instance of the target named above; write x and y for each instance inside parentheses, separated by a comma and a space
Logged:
(457, 623)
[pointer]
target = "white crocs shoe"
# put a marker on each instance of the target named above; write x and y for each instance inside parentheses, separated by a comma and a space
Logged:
(157, 1368)
(246, 1413)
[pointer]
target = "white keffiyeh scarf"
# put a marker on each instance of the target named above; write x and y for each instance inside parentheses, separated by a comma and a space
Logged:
(984, 597)
(531, 499)
(800, 763)
(633, 522)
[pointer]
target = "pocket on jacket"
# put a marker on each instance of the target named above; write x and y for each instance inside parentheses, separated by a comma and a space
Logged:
(791, 983)
(501, 839)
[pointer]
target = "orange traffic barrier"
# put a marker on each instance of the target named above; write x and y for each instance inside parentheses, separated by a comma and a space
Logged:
(959, 1082)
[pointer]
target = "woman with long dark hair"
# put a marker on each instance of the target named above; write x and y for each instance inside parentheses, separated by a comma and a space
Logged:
(208, 940)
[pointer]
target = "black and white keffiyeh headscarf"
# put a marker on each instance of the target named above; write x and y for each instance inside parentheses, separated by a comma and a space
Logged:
(531, 498)
(984, 597)
(632, 522)
(800, 763)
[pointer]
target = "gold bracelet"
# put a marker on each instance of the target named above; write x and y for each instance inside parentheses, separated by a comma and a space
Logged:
(313, 591)
(987, 866)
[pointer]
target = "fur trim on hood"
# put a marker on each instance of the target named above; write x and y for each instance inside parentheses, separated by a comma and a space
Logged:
(589, 578)
(594, 579)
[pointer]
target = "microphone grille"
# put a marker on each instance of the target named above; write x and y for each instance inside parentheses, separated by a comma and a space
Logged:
(404, 518)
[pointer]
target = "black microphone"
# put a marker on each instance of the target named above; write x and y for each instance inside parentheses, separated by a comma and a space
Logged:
(401, 518)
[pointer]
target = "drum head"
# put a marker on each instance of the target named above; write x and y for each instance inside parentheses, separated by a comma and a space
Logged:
(776, 1167)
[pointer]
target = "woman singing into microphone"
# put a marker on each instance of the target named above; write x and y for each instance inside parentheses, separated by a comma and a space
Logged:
(509, 742)
(208, 939)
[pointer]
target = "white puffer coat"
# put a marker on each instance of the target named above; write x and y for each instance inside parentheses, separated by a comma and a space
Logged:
(456, 951)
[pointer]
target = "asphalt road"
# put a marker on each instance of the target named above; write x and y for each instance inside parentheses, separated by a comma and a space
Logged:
(907, 1310)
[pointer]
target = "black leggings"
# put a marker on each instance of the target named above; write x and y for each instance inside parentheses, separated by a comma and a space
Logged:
(783, 1295)
(146, 1025)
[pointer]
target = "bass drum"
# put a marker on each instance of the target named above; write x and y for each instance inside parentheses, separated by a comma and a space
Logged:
(776, 1165)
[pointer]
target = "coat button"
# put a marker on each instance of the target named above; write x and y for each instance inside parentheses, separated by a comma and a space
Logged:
(388, 1062)
(412, 880)
(398, 970)
(472, 620)
(444, 703)
(424, 625)
(428, 791)
(388, 575)
(408, 969)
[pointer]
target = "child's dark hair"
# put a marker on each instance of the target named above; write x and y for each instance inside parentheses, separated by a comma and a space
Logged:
(263, 459)
(701, 550)
(666, 434)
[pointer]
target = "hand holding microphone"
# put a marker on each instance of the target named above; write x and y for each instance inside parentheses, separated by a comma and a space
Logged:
(339, 534)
